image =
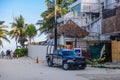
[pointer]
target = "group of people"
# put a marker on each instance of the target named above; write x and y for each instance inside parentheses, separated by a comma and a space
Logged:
(8, 55)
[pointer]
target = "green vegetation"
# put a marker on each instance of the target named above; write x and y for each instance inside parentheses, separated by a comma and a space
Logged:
(31, 31)
(21, 31)
(21, 52)
(47, 24)
(3, 32)
(18, 28)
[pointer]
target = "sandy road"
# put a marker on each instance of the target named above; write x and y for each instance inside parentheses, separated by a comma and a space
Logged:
(27, 69)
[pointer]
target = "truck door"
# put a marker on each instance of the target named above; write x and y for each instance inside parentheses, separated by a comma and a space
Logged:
(60, 59)
(57, 58)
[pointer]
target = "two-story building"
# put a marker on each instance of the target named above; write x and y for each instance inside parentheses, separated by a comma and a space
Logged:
(87, 15)
(100, 18)
(111, 25)
(90, 15)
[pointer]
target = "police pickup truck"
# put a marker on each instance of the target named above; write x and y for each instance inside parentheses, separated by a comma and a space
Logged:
(67, 59)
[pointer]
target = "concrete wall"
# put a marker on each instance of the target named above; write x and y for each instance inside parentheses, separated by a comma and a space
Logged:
(109, 4)
(35, 51)
(81, 19)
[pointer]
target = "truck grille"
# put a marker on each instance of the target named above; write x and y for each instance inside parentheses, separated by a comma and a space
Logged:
(79, 60)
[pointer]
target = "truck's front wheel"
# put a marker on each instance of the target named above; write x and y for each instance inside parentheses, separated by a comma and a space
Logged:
(50, 64)
(65, 66)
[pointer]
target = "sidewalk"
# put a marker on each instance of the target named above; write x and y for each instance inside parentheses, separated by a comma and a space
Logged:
(109, 65)
(112, 64)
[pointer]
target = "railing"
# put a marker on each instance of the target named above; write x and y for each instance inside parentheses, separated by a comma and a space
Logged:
(109, 13)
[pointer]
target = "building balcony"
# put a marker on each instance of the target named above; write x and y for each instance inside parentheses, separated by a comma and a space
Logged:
(86, 6)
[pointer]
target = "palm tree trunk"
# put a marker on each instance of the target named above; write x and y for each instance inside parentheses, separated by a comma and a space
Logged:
(16, 42)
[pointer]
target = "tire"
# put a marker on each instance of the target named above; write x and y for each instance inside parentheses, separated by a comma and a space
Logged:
(83, 66)
(50, 64)
(65, 66)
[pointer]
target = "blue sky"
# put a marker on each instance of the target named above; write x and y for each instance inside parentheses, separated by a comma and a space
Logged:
(29, 9)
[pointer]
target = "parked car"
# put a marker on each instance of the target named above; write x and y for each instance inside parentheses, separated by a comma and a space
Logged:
(67, 59)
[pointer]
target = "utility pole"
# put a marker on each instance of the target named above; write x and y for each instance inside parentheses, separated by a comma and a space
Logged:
(55, 30)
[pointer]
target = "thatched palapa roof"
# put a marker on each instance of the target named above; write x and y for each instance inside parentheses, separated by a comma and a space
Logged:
(72, 30)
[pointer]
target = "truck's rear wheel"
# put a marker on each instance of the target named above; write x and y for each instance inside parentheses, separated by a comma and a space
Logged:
(50, 64)
(65, 66)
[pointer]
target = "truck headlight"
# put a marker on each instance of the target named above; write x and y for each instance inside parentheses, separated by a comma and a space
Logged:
(70, 61)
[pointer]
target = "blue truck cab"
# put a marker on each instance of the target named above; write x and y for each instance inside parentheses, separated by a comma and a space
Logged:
(66, 58)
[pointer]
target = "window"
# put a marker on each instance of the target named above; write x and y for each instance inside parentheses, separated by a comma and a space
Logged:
(69, 53)
(76, 8)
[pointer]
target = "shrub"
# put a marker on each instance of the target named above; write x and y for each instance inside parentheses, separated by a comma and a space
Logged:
(21, 52)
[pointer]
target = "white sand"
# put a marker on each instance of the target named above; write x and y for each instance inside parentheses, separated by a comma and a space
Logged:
(26, 69)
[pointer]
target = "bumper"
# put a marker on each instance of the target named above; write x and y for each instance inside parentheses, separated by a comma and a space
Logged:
(79, 65)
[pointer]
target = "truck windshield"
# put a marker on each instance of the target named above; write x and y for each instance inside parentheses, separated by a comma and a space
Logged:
(69, 53)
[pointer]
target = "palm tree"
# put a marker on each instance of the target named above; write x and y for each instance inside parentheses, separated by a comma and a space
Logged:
(23, 37)
(18, 31)
(3, 32)
(31, 31)
(15, 33)
(47, 24)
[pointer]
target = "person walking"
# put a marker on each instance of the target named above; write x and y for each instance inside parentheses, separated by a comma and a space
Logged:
(11, 54)
(2, 54)
(8, 54)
